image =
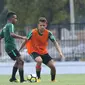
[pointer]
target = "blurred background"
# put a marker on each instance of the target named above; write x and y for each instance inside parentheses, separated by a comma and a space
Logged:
(66, 20)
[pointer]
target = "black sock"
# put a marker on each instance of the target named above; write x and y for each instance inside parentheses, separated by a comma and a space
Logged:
(21, 73)
(14, 72)
(52, 77)
(38, 74)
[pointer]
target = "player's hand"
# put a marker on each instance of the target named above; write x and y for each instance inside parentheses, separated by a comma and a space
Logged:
(62, 57)
(19, 50)
(25, 38)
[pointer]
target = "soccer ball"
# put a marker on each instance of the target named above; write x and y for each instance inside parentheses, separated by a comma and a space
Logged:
(32, 78)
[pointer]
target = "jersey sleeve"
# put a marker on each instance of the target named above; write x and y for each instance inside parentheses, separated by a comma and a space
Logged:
(51, 36)
(11, 28)
(29, 35)
(2, 34)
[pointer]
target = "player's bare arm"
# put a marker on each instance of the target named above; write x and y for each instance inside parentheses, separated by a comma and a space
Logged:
(18, 36)
(0, 38)
(28, 38)
(23, 44)
(52, 38)
(58, 48)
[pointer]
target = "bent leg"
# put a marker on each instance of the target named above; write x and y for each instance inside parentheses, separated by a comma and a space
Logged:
(38, 66)
(20, 67)
(53, 69)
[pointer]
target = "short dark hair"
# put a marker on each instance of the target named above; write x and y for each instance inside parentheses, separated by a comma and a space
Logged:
(42, 19)
(10, 14)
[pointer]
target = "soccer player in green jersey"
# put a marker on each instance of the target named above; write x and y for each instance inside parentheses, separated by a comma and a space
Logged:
(10, 47)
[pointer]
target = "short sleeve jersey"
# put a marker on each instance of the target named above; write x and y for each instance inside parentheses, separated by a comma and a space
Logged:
(8, 39)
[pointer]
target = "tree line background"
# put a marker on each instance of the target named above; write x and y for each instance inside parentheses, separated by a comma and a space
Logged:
(56, 11)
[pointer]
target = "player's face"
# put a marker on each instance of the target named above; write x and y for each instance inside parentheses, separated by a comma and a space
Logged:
(42, 26)
(14, 19)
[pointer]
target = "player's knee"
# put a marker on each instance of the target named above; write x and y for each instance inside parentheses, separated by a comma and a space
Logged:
(38, 60)
(21, 62)
(52, 67)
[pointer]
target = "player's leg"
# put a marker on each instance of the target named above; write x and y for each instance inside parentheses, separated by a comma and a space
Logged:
(53, 69)
(47, 60)
(15, 55)
(14, 70)
(20, 64)
(38, 67)
(38, 60)
(15, 67)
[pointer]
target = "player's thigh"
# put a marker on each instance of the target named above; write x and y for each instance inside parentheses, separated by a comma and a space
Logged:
(36, 57)
(46, 59)
(51, 64)
(14, 54)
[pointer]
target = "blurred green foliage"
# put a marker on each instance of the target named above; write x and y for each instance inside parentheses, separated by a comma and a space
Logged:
(56, 11)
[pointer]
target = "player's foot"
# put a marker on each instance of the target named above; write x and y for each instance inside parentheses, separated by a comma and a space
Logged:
(23, 81)
(14, 80)
(53, 80)
(38, 80)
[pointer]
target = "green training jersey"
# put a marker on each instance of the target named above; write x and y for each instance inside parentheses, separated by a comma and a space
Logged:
(8, 39)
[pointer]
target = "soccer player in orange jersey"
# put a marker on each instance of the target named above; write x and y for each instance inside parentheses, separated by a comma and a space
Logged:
(36, 45)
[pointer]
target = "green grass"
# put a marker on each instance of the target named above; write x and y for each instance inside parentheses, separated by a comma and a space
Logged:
(70, 79)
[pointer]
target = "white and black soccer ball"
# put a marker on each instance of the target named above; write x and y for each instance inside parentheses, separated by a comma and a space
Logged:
(32, 78)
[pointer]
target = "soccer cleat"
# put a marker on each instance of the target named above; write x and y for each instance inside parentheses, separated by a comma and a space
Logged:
(53, 80)
(23, 81)
(38, 80)
(14, 80)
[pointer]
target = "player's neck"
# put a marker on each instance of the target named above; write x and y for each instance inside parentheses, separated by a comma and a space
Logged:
(9, 21)
(40, 32)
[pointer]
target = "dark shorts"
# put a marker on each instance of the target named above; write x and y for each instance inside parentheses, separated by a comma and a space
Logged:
(46, 57)
(13, 54)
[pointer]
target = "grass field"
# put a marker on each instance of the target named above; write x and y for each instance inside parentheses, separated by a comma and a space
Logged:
(67, 79)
